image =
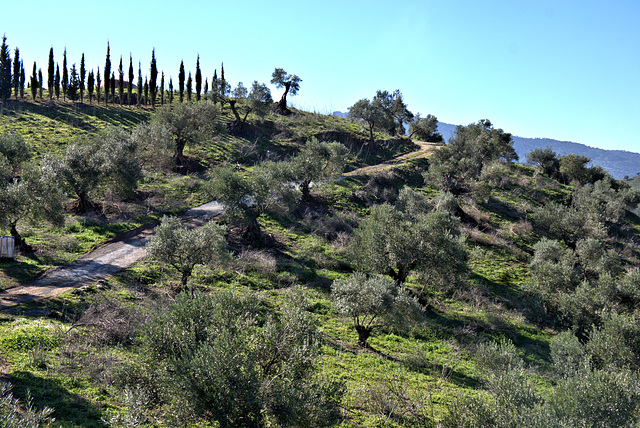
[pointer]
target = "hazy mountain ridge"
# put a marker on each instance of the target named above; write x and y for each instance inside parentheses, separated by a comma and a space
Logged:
(618, 162)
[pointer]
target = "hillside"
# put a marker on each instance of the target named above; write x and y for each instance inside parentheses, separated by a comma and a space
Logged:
(497, 293)
(618, 162)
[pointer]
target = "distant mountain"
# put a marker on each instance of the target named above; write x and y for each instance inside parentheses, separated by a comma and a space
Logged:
(619, 163)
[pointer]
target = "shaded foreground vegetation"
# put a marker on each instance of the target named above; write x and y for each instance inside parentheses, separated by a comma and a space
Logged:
(460, 290)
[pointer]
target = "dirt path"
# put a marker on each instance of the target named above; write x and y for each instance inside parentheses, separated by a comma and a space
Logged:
(424, 150)
(129, 248)
(100, 263)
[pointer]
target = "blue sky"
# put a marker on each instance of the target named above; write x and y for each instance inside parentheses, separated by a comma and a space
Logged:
(568, 70)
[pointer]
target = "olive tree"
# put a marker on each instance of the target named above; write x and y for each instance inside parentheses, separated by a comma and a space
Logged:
(291, 85)
(545, 160)
(374, 113)
(247, 196)
(223, 358)
(15, 151)
(373, 301)
(395, 243)
(318, 161)
(454, 166)
(183, 249)
(260, 99)
(154, 144)
(606, 199)
(107, 159)
(36, 196)
(425, 129)
(582, 397)
(567, 223)
(188, 123)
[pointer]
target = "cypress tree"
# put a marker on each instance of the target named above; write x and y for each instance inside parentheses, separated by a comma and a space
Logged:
(146, 91)
(5, 73)
(198, 79)
(214, 86)
(65, 75)
(83, 73)
(34, 82)
(170, 91)
(40, 83)
(74, 83)
(181, 81)
(162, 89)
(223, 83)
(121, 81)
(113, 86)
(107, 73)
(139, 100)
(22, 80)
(90, 85)
(98, 86)
(130, 87)
(206, 87)
(16, 71)
(189, 88)
(153, 81)
(51, 75)
(56, 82)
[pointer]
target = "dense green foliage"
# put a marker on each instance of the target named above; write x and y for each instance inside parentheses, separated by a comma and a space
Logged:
(183, 249)
(399, 240)
(372, 301)
(223, 358)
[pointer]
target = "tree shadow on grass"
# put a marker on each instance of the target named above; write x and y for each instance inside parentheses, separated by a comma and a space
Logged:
(21, 271)
(69, 409)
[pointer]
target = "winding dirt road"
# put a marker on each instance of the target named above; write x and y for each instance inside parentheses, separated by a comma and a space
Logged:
(424, 150)
(129, 248)
(100, 263)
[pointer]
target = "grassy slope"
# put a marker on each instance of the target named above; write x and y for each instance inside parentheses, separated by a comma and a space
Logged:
(74, 370)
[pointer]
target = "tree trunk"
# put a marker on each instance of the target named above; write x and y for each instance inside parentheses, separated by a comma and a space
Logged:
(84, 203)
(18, 242)
(305, 189)
(252, 231)
(363, 335)
(371, 125)
(281, 106)
(399, 274)
(179, 154)
(185, 276)
(238, 123)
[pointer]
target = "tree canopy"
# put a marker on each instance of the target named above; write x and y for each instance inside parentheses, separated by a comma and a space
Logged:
(188, 124)
(318, 161)
(460, 162)
(395, 241)
(425, 129)
(183, 248)
(373, 301)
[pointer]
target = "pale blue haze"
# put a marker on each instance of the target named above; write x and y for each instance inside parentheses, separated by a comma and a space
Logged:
(568, 70)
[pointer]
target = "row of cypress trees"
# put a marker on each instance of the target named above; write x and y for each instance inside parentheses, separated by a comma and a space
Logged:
(71, 83)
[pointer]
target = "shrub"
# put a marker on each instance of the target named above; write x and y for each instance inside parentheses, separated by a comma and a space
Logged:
(373, 301)
(223, 358)
(14, 415)
(183, 248)
(567, 353)
(616, 343)
(582, 398)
